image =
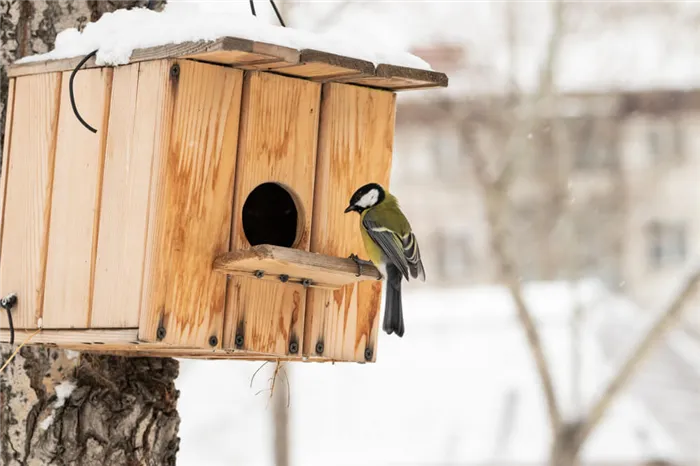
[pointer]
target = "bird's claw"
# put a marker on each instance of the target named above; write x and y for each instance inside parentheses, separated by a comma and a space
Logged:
(360, 263)
(357, 261)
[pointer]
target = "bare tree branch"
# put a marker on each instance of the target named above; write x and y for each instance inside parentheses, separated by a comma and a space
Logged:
(496, 197)
(495, 208)
(641, 352)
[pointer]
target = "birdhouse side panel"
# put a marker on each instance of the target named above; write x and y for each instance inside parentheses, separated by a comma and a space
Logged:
(279, 132)
(32, 117)
(190, 201)
(75, 198)
(137, 131)
(355, 147)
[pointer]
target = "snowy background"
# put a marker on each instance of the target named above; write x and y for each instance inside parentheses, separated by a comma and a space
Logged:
(459, 388)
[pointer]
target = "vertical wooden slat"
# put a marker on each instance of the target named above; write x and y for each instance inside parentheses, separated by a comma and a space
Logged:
(75, 200)
(355, 147)
(190, 202)
(138, 94)
(28, 177)
(279, 129)
(9, 108)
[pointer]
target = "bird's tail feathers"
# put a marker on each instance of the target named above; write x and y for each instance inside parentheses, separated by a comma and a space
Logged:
(393, 309)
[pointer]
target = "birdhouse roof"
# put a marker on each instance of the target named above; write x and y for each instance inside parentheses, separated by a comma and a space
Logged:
(129, 36)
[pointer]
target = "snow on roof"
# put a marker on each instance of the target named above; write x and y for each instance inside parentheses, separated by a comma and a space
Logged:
(116, 35)
(460, 387)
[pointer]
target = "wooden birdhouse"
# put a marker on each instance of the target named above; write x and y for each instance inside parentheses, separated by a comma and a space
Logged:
(204, 216)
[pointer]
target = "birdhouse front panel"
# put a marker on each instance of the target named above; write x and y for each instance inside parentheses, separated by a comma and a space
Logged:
(273, 204)
(190, 203)
(355, 147)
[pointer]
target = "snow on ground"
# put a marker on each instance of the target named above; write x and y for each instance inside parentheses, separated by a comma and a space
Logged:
(116, 35)
(460, 387)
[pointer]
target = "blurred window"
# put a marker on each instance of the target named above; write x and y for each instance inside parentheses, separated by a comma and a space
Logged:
(593, 142)
(666, 244)
(666, 142)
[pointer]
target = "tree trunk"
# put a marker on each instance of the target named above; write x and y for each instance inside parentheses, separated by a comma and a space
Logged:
(566, 446)
(62, 407)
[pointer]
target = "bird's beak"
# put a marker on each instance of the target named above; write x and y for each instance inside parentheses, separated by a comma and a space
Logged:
(350, 208)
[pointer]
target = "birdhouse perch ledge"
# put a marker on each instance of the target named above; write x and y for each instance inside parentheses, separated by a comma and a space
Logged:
(287, 265)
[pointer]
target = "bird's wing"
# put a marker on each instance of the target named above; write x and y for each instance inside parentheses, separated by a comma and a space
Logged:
(391, 244)
(412, 254)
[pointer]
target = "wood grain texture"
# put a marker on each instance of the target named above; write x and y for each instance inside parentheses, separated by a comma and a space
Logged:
(75, 200)
(48, 66)
(6, 158)
(279, 129)
(137, 101)
(355, 147)
(322, 271)
(190, 202)
(398, 78)
(322, 66)
(29, 175)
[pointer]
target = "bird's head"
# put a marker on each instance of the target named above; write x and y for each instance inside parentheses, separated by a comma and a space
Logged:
(365, 197)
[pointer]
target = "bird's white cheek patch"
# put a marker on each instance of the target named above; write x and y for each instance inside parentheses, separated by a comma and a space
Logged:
(369, 199)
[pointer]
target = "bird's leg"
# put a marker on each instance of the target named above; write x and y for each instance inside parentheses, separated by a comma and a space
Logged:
(360, 263)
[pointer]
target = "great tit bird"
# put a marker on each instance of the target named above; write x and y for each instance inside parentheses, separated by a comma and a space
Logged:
(390, 245)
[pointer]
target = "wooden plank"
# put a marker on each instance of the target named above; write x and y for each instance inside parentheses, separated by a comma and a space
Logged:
(355, 147)
(29, 176)
(244, 53)
(398, 78)
(9, 109)
(75, 200)
(48, 66)
(317, 65)
(190, 202)
(134, 132)
(279, 127)
(321, 270)
(61, 337)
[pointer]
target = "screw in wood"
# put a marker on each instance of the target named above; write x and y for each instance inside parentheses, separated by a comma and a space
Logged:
(175, 71)
(368, 354)
(259, 274)
(239, 340)
(213, 341)
(319, 348)
(306, 282)
(160, 333)
(294, 347)
(284, 278)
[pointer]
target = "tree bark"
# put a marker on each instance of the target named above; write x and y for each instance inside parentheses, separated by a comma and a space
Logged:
(62, 407)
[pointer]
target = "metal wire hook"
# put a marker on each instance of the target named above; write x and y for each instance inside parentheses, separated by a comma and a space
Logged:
(70, 90)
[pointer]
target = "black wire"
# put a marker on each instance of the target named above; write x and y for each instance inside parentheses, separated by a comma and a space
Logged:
(70, 90)
(277, 12)
(11, 325)
(7, 303)
(274, 7)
